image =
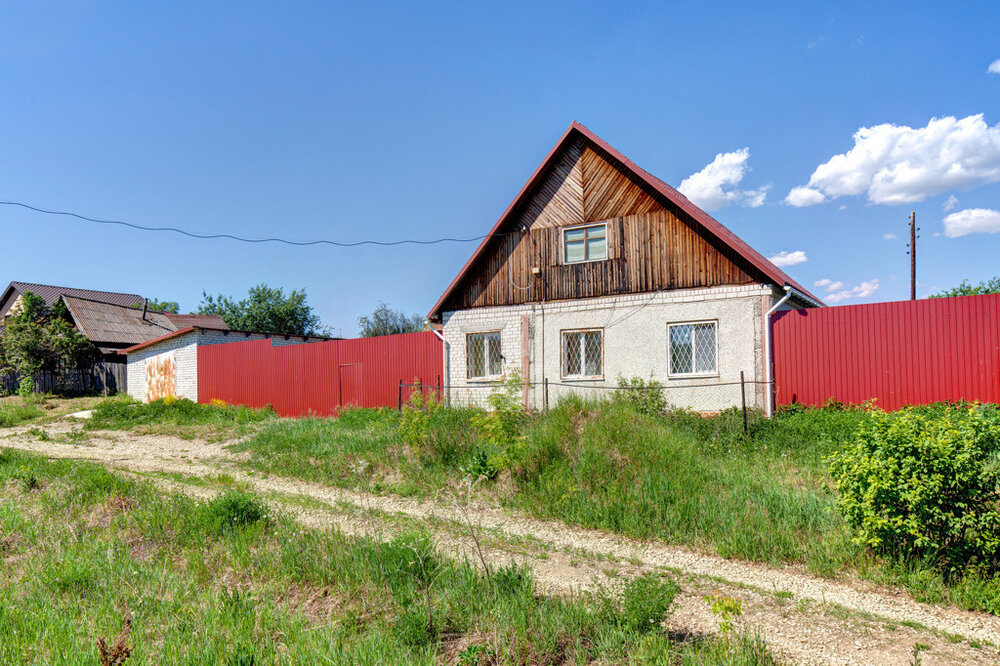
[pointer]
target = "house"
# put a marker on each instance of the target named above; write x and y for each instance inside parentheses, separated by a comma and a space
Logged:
(599, 271)
(15, 291)
(111, 321)
(167, 366)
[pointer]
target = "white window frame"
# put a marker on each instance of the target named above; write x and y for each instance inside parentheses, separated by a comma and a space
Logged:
(670, 355)
(562, 243)
(583, 346)
(486, 351)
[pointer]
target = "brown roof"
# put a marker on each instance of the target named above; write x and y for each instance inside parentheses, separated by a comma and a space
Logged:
(189, 329)
(52, 293)
(710, 224)
(116, 324)
(214, 322)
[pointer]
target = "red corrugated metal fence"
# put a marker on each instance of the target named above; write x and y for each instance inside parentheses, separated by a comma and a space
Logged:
(901, 353)
(317, 377)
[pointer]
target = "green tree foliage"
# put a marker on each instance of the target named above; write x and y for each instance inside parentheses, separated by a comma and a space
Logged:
(36, 338)
(966, 288)
(266, 310)
(386, 321)
(925, 482)
(155, 305)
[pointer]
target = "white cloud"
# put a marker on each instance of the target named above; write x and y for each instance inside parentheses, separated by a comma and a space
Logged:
(972, 221)
(950, 203)
(994, 67)
(828, 284)
(896, 164)
(890, 236)
(785, 258)
(835, 291)
(804, 196)
(717, 185)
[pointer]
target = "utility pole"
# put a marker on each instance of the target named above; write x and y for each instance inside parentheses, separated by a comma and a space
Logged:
(913, 255)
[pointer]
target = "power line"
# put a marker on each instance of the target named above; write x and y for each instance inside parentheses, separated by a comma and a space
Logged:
(243, 239)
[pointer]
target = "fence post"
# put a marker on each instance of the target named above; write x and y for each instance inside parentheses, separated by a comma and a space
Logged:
(545, 399)
(399, 396)
(743, 398)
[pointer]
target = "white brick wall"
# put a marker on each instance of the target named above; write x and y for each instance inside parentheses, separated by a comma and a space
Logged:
(635, 342)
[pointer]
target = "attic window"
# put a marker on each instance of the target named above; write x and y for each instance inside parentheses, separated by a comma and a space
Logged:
(588, 243)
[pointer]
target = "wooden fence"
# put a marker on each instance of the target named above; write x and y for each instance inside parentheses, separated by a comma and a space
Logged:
(103, 378)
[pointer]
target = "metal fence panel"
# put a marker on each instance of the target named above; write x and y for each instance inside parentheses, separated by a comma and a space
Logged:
(319, 377)
(900, 353)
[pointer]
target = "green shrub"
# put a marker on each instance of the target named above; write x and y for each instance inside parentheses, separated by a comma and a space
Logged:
(923, 482)
(502, 425)
(234, 510)
(645, 397)
(643, 602)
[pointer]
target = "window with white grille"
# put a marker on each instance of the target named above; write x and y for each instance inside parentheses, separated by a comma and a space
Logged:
(482, 353)
(583, 354)
(585, 243)
(693, 348)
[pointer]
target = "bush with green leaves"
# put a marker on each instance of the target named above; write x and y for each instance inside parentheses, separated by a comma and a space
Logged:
(235, 510)
(644, 396)
(502, 423)
(924, 482)
(643, 603)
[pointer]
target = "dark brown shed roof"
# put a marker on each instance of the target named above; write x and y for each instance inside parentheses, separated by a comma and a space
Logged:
(214, 322)
(116, 324)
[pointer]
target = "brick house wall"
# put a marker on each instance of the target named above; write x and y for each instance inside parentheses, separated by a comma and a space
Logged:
(635, 343)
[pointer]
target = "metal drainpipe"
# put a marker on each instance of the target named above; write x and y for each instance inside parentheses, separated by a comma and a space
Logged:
(445, 378)
(768, 352)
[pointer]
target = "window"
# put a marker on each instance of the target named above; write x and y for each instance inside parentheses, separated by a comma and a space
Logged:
(583, 354)
(585, 244)
(693, 348)
(482, 353)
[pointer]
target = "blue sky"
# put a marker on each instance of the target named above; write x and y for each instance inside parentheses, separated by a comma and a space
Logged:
(355, 121)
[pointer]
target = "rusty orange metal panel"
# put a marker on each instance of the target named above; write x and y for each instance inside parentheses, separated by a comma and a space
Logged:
(900, 353)
(319, 377)
(160, 377)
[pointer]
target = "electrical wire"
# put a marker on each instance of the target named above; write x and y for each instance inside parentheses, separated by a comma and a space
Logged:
(243, 239)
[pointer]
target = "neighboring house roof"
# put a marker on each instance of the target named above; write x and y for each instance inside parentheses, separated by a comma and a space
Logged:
(190, 329)
(52, 293)
(116, 324)
(710, 224)
(111, 326)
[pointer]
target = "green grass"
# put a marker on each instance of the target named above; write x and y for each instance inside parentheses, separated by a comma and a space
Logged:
(14, 413)
(231, 582)
(680, 478)
(177, 417)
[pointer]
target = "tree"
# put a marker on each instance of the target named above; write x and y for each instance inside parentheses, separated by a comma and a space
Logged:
(36, 338)
(159, 306)
(966, 288)
(386, 321)
(265, 310)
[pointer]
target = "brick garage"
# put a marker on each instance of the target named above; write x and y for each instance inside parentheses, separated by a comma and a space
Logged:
(168, 365)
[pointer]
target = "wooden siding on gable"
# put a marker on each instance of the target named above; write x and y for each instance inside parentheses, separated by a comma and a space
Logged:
(651, 246)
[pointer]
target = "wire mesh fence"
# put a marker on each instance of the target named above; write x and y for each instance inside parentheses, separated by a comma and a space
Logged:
(702, 397)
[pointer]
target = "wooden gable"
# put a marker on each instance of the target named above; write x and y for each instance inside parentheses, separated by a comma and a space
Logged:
(652, 243)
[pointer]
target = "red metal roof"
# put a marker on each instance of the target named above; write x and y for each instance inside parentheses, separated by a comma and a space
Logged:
(711, 225)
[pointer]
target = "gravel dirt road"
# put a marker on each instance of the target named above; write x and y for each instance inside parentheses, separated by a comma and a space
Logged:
(805, 619)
